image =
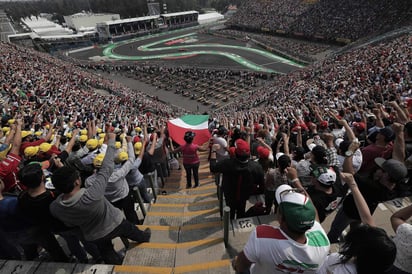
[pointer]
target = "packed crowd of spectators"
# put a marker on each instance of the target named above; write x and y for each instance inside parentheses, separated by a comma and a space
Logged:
(297, 49)
(368, 75)
(327, 20)
(213, 85)
(70, 153)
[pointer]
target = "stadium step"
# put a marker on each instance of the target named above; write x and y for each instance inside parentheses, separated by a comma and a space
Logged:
(187, 230)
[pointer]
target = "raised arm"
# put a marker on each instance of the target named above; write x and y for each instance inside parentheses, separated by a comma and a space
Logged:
(17, 138)
(70, 144)
(400, 217)
(360, 202)
(399, 143)
(98, 183)
(293, 180)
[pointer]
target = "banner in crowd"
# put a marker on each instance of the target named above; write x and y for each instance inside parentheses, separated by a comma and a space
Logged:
(196, 123)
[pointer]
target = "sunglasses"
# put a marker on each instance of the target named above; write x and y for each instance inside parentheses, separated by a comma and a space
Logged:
(291, 190)
(319, 170)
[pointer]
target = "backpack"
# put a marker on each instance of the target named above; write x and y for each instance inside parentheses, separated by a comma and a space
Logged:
(147, 164)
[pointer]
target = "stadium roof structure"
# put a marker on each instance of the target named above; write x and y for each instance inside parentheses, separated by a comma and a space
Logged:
(88, 14)
(179, 13)
(44, 27)
(210, 17)
(130, 20)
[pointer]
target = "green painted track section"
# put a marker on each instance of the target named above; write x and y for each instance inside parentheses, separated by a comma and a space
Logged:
(109, 51)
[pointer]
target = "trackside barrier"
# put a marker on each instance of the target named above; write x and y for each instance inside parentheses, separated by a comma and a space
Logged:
(224, 210)
(226, 222)
(152, 178)
(140, 201)
(219, 192)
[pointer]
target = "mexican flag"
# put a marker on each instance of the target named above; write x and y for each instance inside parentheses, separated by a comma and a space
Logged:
(196, 123)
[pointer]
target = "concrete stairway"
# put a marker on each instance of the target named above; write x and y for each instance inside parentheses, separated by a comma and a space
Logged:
(187, 231)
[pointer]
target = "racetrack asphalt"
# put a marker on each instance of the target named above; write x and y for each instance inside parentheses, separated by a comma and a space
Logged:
(191, 48)
(176, 49)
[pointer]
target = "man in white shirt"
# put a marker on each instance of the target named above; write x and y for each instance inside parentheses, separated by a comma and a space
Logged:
(298, 245)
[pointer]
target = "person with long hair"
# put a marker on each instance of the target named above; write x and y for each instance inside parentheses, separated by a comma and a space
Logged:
(274, 178)
(366, 248)
(191, 159)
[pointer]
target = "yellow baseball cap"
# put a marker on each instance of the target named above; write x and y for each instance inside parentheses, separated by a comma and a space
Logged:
(118, 145)
(92, 144)
(31, 151)
(138, 129)
(98, 160)
(44, 147)
(83, 138)
(11, 121)
(38, 133)
(25, 133)
(6, 129)
(137, 147)
(83, 132)
(121, 157)
(99, 130)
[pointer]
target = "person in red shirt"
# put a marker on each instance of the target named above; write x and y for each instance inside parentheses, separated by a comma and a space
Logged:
(190, 158)
(27, 139)
(9, 166)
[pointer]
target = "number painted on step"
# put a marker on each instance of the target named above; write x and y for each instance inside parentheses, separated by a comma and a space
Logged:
(398, 203)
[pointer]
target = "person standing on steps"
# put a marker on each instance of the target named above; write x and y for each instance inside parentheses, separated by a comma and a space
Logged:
(240, 177)
(191, 159)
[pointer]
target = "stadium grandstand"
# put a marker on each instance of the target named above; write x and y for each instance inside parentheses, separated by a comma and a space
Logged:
(6, 28)
(341, 21)
(278, 142)
(86, 21)
(126, 28)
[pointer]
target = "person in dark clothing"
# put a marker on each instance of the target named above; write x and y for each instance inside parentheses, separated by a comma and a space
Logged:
(378, 188)
(240, 175)
(324, 194)
(34, 204)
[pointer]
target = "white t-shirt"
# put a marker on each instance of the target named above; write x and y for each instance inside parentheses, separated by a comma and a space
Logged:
(403, 242)
(272, 251)
(357, 160)
(332, 265)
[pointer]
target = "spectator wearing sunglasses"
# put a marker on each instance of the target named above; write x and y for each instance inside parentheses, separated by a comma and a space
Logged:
(298, 245)
(324, 192)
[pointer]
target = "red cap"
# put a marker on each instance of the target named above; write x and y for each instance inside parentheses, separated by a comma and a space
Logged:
(232, 151)
(263, 152)
(359, 126)
(324, 124)
(136, 139)
(242, 147)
